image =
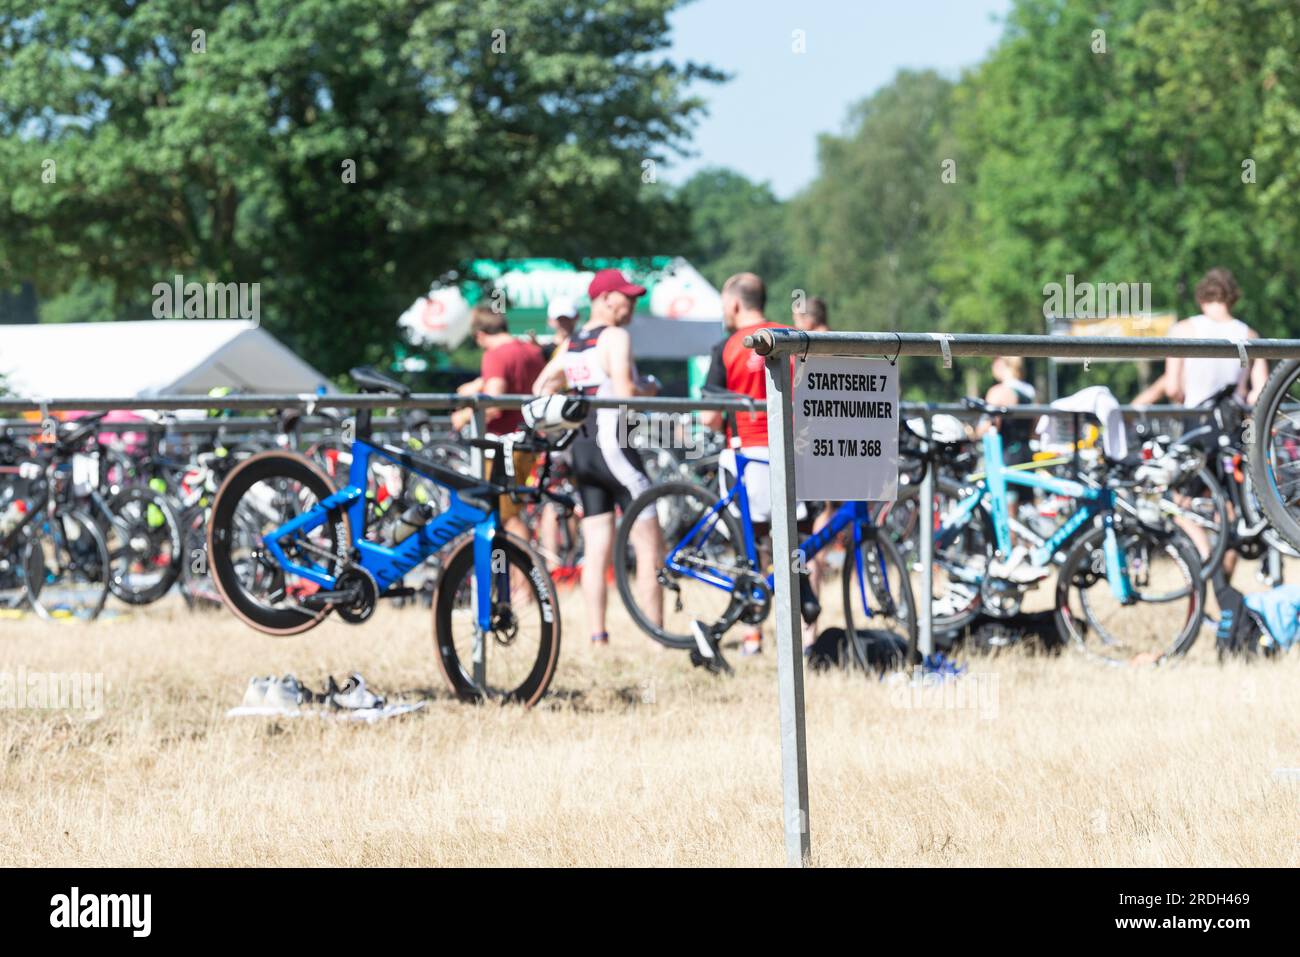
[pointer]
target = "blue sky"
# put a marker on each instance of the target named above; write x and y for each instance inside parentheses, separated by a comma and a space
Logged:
(765, 122)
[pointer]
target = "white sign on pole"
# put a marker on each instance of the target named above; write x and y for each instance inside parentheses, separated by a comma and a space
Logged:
(845, 429)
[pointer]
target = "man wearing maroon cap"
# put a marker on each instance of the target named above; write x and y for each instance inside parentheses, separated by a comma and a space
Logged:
(597, 361)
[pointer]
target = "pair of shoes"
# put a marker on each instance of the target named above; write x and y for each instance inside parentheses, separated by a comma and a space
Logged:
(601, 638)
(285, 694)
(352, 696)
(751, 645)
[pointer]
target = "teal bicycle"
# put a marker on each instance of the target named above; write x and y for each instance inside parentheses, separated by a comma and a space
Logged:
(1128, 583)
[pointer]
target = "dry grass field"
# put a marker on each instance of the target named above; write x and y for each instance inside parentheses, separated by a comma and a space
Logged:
(635, 758)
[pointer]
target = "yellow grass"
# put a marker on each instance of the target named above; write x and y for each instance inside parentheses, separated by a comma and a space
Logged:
(636, 758)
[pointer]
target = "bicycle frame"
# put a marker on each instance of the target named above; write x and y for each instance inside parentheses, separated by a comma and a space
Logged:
(388, 564)
(855, 514)
(998, 477)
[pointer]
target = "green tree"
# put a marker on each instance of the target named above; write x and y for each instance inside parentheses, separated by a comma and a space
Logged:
(736, 226)
(341, 153)
(866, 228)
(1108, 142)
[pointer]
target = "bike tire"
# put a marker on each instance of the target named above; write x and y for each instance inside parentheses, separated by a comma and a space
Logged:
(524, 684)
(1260, 451)
(622, 547)
(284, 620)
(1079, 560)
(34, 578)
(878, 547)
(168, 525)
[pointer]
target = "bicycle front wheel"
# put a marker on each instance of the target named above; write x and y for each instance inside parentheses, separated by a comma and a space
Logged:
(144, 545)
(880, 599)
(514, 659)
(1160, 617)
(708, 554)
(65, 567)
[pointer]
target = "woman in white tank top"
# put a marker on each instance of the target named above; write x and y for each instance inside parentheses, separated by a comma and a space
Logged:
(1202, 378)
(1192, 381)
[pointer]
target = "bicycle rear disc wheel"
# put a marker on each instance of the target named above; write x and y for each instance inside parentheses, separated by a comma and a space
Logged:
(717, 549)
(520, 648)
(1165, 615)
(259, 495)
(66, 567)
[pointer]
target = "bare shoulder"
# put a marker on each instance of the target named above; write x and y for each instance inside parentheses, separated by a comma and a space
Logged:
(1003, 395)
(615, 336)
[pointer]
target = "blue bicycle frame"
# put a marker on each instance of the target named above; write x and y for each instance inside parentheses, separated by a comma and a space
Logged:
(388, 564)
(855, 514)
(1092, 502)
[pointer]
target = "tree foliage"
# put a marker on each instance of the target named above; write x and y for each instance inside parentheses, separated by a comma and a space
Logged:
(475, 128)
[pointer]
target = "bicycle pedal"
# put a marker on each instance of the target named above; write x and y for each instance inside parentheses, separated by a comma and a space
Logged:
(707, 653)
(399, 592)
(716, 665)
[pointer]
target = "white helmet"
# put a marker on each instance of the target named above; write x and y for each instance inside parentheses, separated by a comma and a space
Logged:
(555, 412)
(945, 429)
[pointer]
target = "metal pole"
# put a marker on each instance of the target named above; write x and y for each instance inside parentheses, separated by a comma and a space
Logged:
(925, 636)
(775, 341)
(789, 644)
(478, 428)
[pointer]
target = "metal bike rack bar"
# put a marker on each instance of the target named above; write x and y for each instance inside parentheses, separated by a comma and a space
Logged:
(776, 346)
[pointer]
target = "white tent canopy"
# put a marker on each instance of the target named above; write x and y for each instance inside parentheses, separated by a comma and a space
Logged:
(158, 357)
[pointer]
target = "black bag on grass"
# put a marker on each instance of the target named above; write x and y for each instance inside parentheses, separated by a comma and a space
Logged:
(1239, 629)
(881, 650)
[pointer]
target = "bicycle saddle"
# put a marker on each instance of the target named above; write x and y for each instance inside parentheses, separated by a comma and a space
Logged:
(72, 434)
(371, 380)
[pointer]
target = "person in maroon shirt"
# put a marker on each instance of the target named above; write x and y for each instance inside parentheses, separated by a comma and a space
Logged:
(509, 367)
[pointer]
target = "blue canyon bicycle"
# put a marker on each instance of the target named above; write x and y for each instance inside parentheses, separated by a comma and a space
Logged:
(286, 549)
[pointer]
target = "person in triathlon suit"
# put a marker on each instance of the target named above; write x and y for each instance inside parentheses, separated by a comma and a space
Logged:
(740, 369)
(596, 361)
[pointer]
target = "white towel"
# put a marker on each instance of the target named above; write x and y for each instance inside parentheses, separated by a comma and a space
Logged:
(1096, 400)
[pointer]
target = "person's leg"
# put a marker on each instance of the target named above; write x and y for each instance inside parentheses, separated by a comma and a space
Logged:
(598, 541)
(548, 535)
(816, 569)
(758, 489)
(648, 544)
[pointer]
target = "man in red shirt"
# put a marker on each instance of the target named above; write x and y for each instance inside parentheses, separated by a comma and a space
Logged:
(509, 367)
(739, 369)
